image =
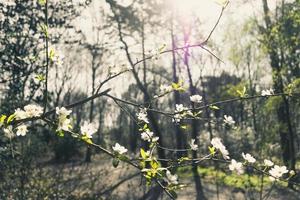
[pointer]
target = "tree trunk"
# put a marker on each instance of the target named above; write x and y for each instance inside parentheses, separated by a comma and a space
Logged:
(197, 178)
(180, 137)
(283, 113)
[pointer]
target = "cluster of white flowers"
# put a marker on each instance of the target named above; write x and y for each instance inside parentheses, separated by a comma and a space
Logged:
(8, 131)
(193, 145)
(119, 149)
(172, 179)
(63, 118)
(228, 120)
(88, 129)
(277, 172)
(155, 54)
(267, 92)
(148, 136)
(181, 111)
(216, 142)
(268, 163)
(142, 115)
(30, 110)
(196, 98)
(21, 130)
(236, 166)
(165, 88)
(248, 157)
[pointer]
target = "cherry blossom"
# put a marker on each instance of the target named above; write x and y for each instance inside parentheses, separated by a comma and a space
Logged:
(33, 110)
(216, 142)
(267, 92)
(249, 158)
(88, 129)
(20, 114)
(236, 166)
(172, 179)
(142, 115)
(193, 145)
(21, 130)
(277, 172)
(228, 120)
(119, 149)
(268, 163)
(147, 135)
(196, 98)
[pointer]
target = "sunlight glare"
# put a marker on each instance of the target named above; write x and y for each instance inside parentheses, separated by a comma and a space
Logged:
(194, 7)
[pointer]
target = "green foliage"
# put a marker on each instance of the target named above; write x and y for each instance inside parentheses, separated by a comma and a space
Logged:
(244, 181)
(42, 2)
(178, 86)
(213, 107)
(238, 90)
(242, 92)
(272, 104)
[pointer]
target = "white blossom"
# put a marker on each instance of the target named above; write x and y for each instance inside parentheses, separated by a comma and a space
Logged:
(277, 172)
(21, 130)
(165, 88)
(236, 166)
(193, 145)
(179, 110)
(20, 114)
(142, 115)
(155, 139)
(88, 129)
(172, 179)
(196, 98)
(248, 157)
(64, 124)
(33, 110)
(8, 132)
(268, 163)
(229, 120)
(119, 148)
(63, 112)
(267, 92)
(216, 142)
(147, 135)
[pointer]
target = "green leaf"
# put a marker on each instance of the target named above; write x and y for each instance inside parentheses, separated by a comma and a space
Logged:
(60, 133)
(40, 77)
(86, 139)
(214, 107)
(44, 30)
(162, 48)
(115, 162)
(183, 159)
(51, 54)
(242, 93)
(42, 2)
(10, 118)
(212, 150)
(154, 164)
(2, 119)
(178, 86)
(184, 127)
(143, 153)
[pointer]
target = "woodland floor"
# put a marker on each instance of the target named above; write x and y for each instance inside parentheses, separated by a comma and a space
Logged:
(103, 181)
